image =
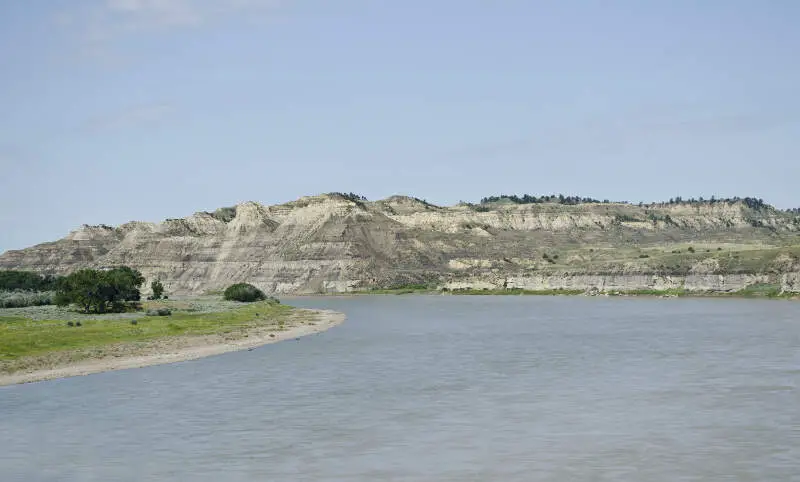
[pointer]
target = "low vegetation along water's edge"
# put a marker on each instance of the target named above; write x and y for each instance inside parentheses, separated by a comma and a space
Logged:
(764, 290)
(40, 343)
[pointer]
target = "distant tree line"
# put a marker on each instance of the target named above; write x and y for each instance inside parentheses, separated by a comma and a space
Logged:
(529, 199)
(27, 281)
(751, 202)
(26, 288)
(757, 204)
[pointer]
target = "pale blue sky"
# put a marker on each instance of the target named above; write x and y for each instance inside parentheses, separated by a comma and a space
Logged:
(114, 110)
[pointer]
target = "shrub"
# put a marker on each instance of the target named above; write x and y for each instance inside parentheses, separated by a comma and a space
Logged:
(21, 299)
(691, 249)
(225, 214)
(159, 312)
(244, 292)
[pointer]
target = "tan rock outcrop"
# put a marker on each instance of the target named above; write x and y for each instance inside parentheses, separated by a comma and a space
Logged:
(335, 243)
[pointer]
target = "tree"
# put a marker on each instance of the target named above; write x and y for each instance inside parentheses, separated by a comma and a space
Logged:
(157, 288)
(100, 291)
(80, 288)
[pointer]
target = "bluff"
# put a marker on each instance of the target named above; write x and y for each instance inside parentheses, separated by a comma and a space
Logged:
(341, 243)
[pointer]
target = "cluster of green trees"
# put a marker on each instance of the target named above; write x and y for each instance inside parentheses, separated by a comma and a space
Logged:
(26, 288)
(96, 291)
(26, 281)
(100, 291)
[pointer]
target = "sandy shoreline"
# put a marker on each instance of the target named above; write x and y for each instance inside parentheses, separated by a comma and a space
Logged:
(180, 349)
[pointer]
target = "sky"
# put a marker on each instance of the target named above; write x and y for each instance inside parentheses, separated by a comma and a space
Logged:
(120, 110)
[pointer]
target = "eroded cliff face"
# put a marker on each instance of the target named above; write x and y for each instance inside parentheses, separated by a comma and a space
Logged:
(331, 243)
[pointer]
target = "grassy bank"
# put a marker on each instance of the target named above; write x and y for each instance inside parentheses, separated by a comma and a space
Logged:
(47, 336)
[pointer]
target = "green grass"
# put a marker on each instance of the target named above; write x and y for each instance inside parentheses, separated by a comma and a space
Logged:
(653, 292)
(404, 289)
(24, 337)
(761, 290)
(397, 291)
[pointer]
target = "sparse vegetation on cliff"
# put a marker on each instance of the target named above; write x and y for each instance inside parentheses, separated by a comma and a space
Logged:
(350, 196)
(530, 199)
(756, 204)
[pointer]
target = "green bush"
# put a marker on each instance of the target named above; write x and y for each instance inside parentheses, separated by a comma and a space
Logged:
(244, 292)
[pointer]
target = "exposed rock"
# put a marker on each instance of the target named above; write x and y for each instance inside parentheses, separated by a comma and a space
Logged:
(340, 243)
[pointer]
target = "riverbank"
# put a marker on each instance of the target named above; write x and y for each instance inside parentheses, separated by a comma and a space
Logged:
(37, 350)
(757, 291)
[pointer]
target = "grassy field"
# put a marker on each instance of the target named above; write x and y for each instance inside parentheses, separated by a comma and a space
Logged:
(23, 337)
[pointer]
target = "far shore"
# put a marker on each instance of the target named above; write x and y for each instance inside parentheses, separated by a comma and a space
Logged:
(673, 293)
(180, 348)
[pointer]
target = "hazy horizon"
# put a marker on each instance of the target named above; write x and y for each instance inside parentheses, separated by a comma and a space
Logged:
(120, 110)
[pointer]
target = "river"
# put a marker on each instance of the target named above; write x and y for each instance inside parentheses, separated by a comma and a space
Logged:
(443, 388)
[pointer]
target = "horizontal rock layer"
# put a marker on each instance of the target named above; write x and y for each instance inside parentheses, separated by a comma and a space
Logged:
(332, 243)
